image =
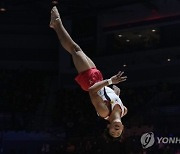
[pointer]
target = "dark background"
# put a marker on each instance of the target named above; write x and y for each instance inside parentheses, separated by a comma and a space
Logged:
(43, 110)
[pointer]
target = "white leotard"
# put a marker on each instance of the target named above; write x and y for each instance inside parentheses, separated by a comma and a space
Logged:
(114, 99)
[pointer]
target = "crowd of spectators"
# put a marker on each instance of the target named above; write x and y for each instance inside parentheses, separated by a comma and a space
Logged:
(21, 91)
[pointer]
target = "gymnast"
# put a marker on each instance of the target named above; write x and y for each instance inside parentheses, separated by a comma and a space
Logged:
(105, 100)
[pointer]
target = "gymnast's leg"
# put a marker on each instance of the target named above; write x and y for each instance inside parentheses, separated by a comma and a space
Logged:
(81, 61)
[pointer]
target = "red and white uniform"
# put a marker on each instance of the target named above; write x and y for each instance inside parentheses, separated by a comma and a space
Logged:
(91, 76)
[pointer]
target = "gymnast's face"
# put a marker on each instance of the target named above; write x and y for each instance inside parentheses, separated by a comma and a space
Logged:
(115, 129)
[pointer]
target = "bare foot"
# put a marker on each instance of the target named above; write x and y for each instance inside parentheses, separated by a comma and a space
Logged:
(54, 17)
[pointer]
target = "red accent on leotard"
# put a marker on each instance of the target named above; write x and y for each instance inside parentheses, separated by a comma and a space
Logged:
(88, 78)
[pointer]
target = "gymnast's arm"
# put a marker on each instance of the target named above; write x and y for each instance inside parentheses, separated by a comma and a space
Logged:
(114, 80)
(125, 111)
(97, 86)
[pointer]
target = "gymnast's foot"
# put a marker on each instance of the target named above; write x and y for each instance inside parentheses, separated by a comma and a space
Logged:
(55, 18)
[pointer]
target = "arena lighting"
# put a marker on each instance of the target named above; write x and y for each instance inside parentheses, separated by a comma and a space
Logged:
(153, 30)
(2, 9)
(168, 59)
(120, 35)
(124, 65)
(127, 40)
(54, 2)
(2, 6)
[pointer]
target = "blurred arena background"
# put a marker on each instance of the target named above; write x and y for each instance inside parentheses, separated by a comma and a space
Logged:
(43, 110)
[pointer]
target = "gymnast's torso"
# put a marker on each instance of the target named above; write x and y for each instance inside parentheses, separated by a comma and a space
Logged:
(111, 99)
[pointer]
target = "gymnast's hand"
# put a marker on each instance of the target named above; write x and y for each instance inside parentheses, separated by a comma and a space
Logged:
(116, 90)
(118, 78)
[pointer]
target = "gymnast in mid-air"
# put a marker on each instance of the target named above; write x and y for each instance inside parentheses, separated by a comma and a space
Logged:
(106, 100)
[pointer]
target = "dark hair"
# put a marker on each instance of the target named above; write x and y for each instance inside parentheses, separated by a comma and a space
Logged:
(109, 138)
